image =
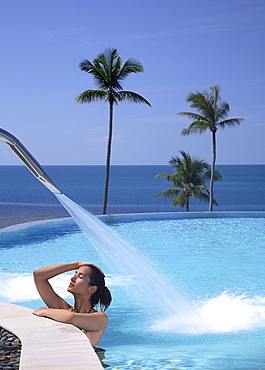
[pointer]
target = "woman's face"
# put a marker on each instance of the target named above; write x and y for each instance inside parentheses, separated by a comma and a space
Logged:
(79, 283)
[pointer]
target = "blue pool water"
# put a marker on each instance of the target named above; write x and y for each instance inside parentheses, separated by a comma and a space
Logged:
(214, 261)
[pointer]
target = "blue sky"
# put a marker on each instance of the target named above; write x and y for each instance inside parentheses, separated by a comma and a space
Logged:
(184, 45)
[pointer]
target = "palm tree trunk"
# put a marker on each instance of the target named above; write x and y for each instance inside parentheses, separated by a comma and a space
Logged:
(107, 170)
(212, 171)
(187, 204)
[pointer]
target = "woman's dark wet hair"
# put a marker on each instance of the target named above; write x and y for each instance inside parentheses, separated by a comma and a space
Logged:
(102, 295)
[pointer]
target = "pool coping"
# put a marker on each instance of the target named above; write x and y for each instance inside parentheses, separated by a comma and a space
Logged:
(47, 344)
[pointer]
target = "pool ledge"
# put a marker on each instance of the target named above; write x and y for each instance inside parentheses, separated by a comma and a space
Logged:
(47, 344)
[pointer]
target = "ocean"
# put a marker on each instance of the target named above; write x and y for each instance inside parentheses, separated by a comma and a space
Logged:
(132, 190)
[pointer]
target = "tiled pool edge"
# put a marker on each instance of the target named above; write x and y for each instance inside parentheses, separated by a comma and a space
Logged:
(47, 344)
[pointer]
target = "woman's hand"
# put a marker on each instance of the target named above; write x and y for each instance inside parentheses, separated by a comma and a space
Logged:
(90, 263)
(56, 314)
(40, 311)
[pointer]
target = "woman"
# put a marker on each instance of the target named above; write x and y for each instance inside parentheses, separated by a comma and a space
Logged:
(88, 288)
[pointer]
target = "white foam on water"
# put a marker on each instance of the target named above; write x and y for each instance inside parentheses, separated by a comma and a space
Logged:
(229, 312)
(17, 288)
(225, 313)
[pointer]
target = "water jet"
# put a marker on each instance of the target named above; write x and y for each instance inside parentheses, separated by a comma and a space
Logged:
(223, 277)
(150, 290)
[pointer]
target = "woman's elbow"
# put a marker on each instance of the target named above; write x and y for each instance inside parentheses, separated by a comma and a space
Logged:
(35, 274)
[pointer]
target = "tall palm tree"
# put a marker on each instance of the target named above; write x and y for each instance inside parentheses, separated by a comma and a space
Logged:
(189, 177)
(108, 73)
(211, 116)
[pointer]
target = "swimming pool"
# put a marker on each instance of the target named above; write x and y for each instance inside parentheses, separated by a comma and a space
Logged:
(215, 262)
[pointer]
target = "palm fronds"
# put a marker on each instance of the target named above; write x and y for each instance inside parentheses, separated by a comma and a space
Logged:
(188, 178)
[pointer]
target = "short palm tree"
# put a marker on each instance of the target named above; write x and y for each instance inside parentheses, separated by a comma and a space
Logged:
(211, 116)
(189, 177)
(108, 73)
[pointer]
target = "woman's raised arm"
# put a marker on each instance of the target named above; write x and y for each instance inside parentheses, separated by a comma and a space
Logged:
(41, 277)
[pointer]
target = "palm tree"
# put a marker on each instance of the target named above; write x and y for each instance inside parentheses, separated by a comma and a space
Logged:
(211, 116)
(189, 177)
(108, 73)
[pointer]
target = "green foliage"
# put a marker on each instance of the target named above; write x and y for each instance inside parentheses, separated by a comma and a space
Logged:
(211, 112)
(109, 73)
(211, 115)
(188, 178)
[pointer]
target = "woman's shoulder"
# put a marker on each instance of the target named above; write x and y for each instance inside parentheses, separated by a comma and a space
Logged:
(102, 316)
(98, 313)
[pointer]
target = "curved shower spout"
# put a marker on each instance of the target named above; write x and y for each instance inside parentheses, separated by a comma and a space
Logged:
(28, 160)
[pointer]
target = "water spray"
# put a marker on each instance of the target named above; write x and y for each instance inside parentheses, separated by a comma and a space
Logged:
(149, 290)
